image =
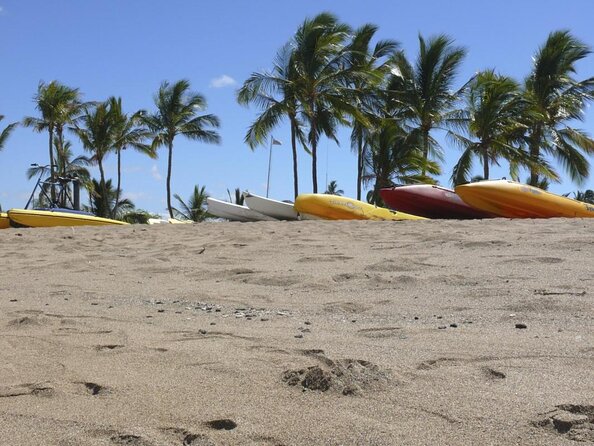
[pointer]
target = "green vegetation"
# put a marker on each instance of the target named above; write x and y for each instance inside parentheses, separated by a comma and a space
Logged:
(556, 98)
(328, 75)
(195, 208)
(177, 114)
(138, 216)
(5, 133)
(103, 201)
(333, 189)
(237, 197)
(586, 196)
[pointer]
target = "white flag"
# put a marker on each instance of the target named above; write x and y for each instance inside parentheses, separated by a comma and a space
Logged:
(276, 142)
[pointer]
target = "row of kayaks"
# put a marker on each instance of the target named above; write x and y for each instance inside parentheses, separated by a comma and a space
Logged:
(484, 199)
(306, 207)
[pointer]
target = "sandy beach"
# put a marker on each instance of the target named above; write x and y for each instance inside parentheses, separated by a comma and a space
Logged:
(299, 333)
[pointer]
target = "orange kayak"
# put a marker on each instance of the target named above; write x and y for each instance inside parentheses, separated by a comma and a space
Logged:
(509, 199)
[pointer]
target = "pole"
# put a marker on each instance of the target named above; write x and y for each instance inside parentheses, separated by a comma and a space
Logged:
(326, 165)
(269, 163)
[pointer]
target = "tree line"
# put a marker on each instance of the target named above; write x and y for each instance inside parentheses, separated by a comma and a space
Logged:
(330, 75)
(103, 128)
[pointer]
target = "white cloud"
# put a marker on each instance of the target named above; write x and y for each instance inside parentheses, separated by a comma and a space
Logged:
(222, 81)
(155, 173)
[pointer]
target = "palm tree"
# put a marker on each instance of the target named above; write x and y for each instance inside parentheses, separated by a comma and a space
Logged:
(393, 157)
(323, 80)
(4, 134)
(274, 92)
(556, 98)
(67, 167)
(102, 200)
(194, 209)
(237, 198)
(490, 123)
(58, 105)
(586, 196)
(138, 216)
(363, 59)
(96, 132)
(425, 90)
(333, 189)
(176, 114)
(128, 133)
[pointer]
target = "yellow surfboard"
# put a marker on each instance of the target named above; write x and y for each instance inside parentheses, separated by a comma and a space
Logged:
(509, 199)
(33, 218)
(4, 221)
(333, 207)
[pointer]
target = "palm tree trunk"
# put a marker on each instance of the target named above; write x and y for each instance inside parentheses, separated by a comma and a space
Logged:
(425, 151)
(294, 149)
(534, 154)
(314, 154)
(104, 200)
(51, 158)
(359, 165)
(485, 163)
(314, 169)
(60, 161)
(169, 178)
(59, 149)
(117, 199)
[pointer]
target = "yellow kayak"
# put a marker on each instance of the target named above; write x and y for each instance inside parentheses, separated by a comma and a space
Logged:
(333, 207)
(33, 218)
(509, 199)
(4, 221)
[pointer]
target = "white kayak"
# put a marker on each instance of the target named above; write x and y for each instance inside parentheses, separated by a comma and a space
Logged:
(277, 209)
(234, 212)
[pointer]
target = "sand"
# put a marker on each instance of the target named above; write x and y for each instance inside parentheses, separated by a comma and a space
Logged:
(299, 333)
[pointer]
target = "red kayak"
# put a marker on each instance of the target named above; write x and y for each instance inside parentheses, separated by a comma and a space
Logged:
(427, 200)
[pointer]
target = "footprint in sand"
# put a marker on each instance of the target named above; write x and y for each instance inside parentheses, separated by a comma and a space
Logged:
(37, 389)
(108, 347)
(28, 321)
(346, 376)
(572, 421)
(493, 374)
(222, 424)
(94, 389)
(185, 438)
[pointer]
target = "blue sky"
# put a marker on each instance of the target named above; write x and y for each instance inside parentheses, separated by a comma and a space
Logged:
(126, 48)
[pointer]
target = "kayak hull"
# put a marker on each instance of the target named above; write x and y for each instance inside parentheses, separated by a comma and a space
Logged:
(273, 208)
(32, 218)
(333, 207)
(430, 201)
(515, 200)
(4, 220)
(234, 212)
